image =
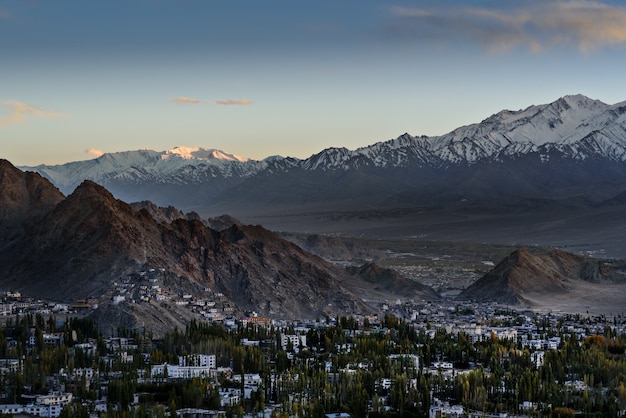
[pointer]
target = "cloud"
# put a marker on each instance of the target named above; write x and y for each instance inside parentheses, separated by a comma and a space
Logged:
(94, 152)
(20, 112)
(233, 102)
(540, 25)
(186, 100)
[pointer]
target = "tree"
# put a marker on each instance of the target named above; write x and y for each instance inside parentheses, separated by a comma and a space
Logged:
(563, 412)
(173, 413)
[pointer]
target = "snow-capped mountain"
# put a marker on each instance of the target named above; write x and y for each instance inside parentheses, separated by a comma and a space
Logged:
(576, 126)
(178, 165)
(570, 144)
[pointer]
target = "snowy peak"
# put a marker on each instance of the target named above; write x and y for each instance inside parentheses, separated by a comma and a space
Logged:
(177, 165)
(564, 107)
(562, 121)
(197, 153)
(328, 158)
(561, 125)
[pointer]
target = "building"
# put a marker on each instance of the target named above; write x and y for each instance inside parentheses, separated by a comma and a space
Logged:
(201, 360)
(44, 410)
(443, 409)
(11, 409)
(49, 405)
(54, 398)
(87, 372)
(230, 397)
(199, 413)
(295, 340)
(537, 358)
(173, 371)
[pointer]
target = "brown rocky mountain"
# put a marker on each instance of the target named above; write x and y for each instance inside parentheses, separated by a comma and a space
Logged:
(80, 246)
(163, 214)
(389, 282)
(24, 196)
(528, 279)
(222, 222)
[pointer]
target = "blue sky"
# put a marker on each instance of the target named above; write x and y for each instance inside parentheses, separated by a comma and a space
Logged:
(260, 78)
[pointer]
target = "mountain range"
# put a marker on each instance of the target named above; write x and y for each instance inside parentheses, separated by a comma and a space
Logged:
(84, 245)
(572, 150)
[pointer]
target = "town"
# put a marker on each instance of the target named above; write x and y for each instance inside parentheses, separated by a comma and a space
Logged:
(430, 359)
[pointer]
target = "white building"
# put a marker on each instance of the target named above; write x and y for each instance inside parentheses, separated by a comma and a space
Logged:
(11, 409)
(49, 405)
(443, 409)
(44, 410)
(295, 340)
(250, 379)
(537, 358)
(443, 365)
(173, 371)
(9, 365)
(384, 383)
(88, 348)
(87, 372)
(54, 398)
(202, 360)
(230, 397)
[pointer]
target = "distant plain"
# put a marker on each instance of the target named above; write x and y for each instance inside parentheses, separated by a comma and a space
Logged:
(597, 232)
(450, 248)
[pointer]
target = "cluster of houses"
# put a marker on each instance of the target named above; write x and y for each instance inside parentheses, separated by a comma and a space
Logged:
(188, 367)
(204, 365)
(147, 285)
(13, 303)
(49, 405)
(479, 322)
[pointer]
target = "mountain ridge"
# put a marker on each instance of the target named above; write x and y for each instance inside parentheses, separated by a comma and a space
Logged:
(562, 123)
(79, 246)
(537, 172)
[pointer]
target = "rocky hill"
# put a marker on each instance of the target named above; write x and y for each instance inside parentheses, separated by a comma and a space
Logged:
(163, 214)
(526, 279)
(86, 244)
(389, 282)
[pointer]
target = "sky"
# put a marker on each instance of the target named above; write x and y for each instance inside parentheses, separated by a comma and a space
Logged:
(260, 78)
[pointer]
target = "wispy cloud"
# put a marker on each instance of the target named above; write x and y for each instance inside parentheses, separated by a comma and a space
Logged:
(186, 100)
(536, 25)
(233, 102)
(94, 152)
(20, 112)
(221, 102)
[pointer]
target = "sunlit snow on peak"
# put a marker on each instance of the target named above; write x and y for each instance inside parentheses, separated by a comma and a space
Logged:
(198, 153)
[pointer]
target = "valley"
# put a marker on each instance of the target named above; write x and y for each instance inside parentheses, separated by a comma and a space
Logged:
(596, 232)
(451, 267)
